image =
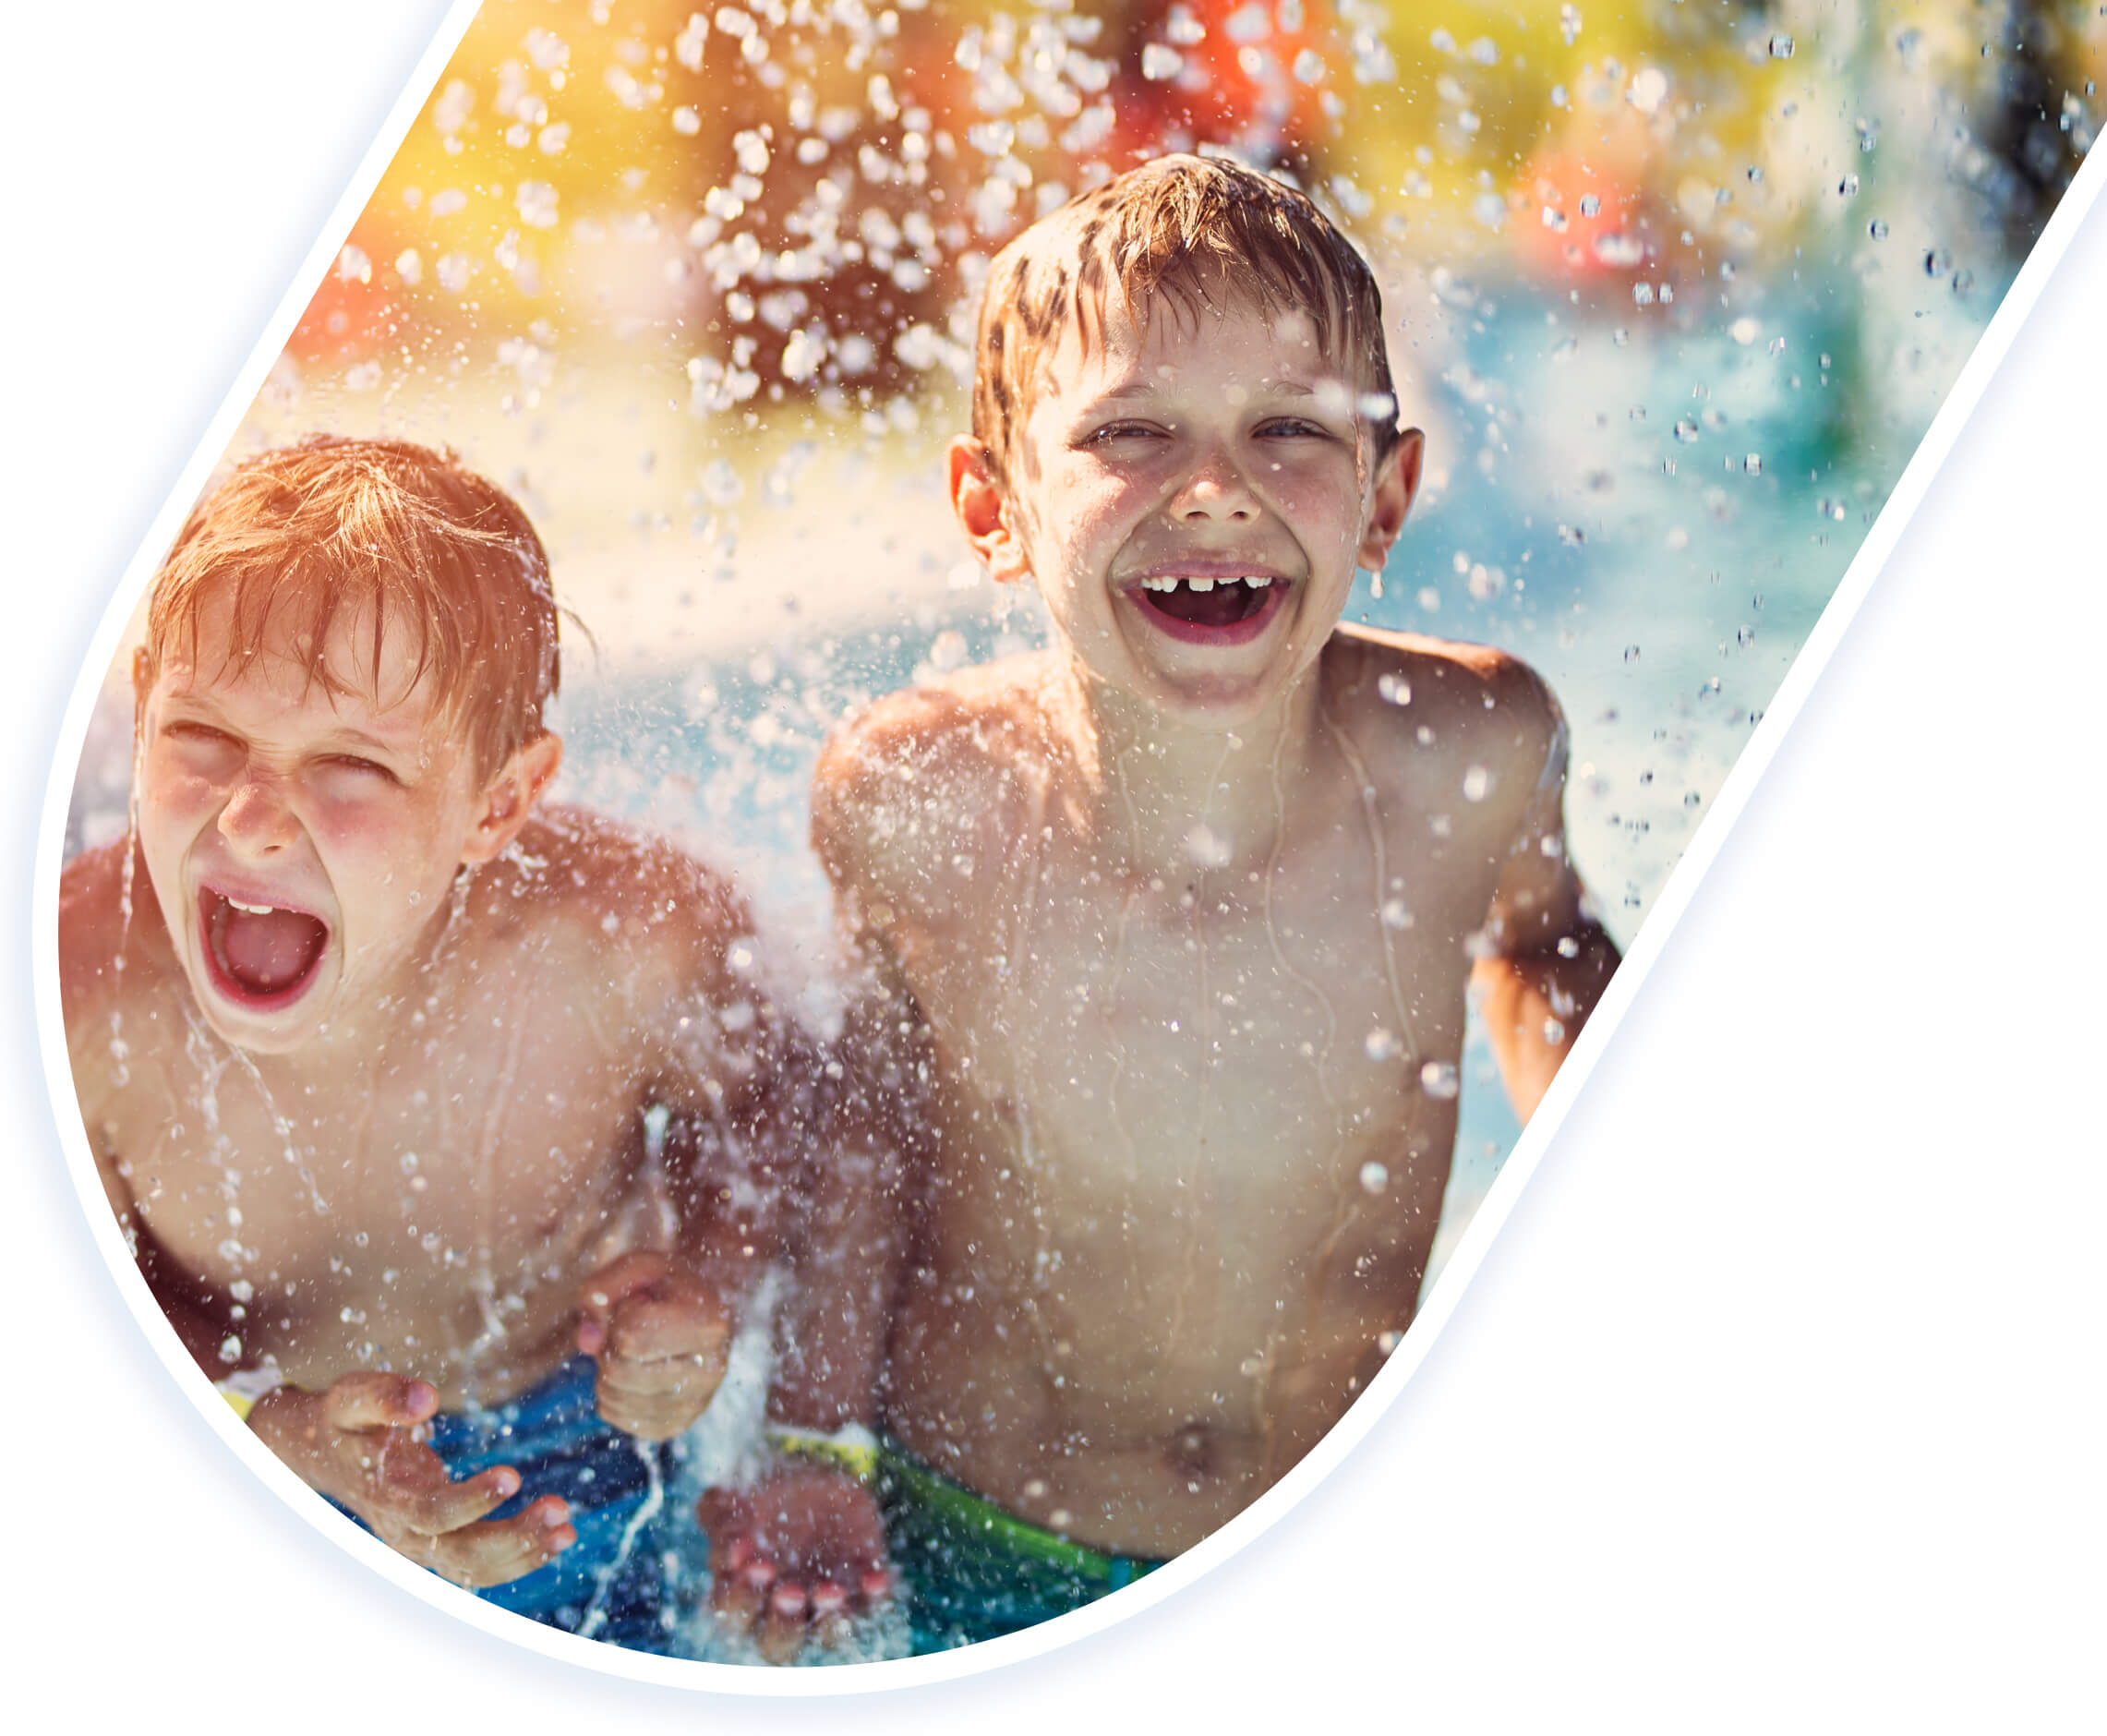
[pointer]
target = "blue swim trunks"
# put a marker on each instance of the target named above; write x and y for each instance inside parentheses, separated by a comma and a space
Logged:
(610, 1584)
(971, 1570)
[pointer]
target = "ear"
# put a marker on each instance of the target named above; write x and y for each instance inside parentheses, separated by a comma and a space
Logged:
(509, 796)
(1396, 486)
(984, 512)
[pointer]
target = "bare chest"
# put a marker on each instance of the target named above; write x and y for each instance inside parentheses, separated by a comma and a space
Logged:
(1253, 1074)
(430, 1211)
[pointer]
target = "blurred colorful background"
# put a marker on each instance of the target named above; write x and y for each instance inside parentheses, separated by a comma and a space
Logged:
(1675, 288)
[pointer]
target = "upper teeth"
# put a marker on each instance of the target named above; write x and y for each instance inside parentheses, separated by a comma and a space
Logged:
(1257, 581)
(254, 909)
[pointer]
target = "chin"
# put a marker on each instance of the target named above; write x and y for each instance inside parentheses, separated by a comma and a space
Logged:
(258, 1025)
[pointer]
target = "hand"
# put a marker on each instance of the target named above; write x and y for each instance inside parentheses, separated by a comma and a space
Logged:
(794, 1556)
(661, 1335)
(361, 1443)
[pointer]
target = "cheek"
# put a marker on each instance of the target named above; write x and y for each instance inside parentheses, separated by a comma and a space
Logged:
(392, 842)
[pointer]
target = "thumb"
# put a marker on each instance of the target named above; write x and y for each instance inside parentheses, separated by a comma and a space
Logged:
(380, 1401)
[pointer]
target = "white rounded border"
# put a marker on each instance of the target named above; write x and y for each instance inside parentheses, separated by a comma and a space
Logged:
(1433, 1315)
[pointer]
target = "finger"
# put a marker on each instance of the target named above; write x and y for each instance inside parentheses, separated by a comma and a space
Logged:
(874, 1586)
(499, 1550)
(607, 1288)
(693, 1327)
(783, 1627)
(739, 1597)
(656, 1400)
(433, 1505)
(380, 1400)
(830, 1624)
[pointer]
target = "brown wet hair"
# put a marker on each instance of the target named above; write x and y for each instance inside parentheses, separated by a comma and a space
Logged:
(1192, 229)
(388, 534)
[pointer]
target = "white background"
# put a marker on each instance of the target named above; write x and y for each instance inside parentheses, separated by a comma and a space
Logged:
(1777, 1401)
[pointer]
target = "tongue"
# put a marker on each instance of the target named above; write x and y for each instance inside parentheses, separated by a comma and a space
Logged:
(1221, 607)
(267, 953)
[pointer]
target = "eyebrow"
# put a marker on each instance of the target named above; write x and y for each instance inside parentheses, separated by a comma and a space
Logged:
(1145, 388)
(340, 735)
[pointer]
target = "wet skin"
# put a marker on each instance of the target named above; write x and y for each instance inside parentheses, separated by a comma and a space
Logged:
(1184, 914)
(402, 1169)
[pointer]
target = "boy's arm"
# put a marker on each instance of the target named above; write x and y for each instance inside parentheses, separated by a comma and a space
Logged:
(95, 993)
(806, 1546)
(1548, 959)
(713, 1052)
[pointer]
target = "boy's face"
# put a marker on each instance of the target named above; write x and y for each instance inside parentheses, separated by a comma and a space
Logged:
(301, 847)
(1193, 498)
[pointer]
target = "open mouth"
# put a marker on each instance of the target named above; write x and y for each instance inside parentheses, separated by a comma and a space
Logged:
(262, 956)
(1211, 611)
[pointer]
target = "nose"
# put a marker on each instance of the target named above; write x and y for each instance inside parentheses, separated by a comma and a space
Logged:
(1215, 489)
(257, 819)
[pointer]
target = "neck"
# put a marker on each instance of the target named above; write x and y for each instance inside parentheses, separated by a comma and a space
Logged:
(1176, 798)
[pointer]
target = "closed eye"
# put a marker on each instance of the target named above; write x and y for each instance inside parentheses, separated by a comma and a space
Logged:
(203, 746)
(353, 762)
(1293, 428)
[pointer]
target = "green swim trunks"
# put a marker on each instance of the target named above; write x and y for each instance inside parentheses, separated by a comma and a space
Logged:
(971, 1570)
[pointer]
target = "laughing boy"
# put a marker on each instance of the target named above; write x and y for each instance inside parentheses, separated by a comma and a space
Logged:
(1183, 909)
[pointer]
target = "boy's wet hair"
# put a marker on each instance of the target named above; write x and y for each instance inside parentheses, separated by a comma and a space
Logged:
(389, 535)
(1192, 229)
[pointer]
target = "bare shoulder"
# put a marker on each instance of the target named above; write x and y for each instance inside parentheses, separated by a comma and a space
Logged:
(916, 776)
(1472, 701)
(577, 888)
(111, 949)
(119, 988)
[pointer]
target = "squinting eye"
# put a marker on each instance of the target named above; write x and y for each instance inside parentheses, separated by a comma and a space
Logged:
(199, 737)
(365, 768)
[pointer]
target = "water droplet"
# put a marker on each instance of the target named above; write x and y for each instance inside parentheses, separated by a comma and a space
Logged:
(1379, 1045)
(1590, 205)
(1206, 848)
(1395, 689)
(1781, 48)
(1439, 1079)
(1686, 430)
(1877, 230)
(1754, 463)
(1621, 252)
(1477, 782)
(1847, 187)
(1375, 1176)
(1395, 914)
(1158, 63)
